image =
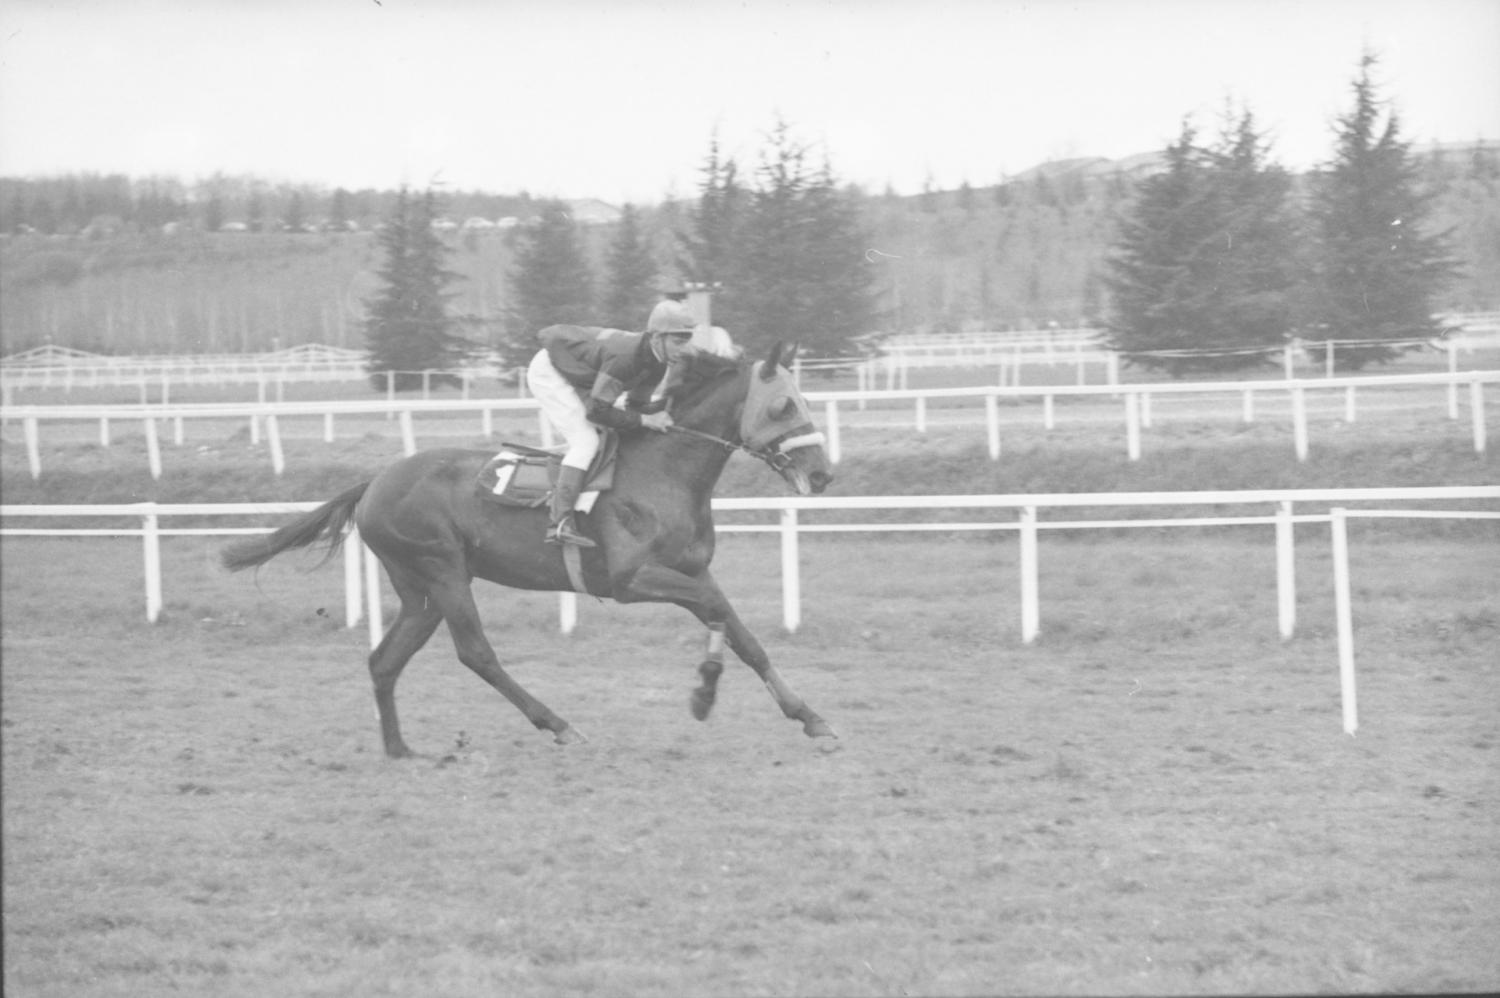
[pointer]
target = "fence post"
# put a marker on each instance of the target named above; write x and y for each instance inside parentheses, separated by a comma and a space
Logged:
(791, 579)
(1049, 413)
(353, 597)
(151, 543)
(567, 611)
(103, 431)
(1031, 614)
(1132, 426)
(408, 435)
(992, 424)
(831, 420)
(273, 439)
(1344, 615)
(1286, 571)
(1453, 384)
(1349, 404)
(33, 445)
(921, 414)
(179, 434)
(1299, 423)
(153, 447)
(372, 595)
(1146, 409)
(1247, 407)
(487, 422)
(328, 427)
(1476, 413)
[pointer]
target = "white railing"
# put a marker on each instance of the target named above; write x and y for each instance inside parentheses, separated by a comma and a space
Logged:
(1136, 410)
(362, 579)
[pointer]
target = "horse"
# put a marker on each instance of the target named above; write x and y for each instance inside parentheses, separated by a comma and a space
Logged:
(427, 522)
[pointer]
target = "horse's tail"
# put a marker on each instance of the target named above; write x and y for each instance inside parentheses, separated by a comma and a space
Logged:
(327, 522)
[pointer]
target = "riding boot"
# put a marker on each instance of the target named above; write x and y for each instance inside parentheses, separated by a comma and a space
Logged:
(564, 497)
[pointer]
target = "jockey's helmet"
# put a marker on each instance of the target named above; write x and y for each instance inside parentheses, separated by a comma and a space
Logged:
(671, 317)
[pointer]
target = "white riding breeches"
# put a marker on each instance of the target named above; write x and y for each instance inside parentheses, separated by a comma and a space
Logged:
(564, 409)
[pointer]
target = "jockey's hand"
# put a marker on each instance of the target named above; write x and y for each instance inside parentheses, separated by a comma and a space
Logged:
(658, 421)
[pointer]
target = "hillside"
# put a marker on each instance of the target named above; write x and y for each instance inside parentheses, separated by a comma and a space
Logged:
(1017, 255)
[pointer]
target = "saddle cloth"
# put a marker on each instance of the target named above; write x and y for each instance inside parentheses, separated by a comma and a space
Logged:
(520, 475)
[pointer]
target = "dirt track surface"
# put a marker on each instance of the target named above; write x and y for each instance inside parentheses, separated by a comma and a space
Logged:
(1154, 798)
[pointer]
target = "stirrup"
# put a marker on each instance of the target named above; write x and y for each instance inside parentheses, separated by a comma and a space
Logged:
(565, 532)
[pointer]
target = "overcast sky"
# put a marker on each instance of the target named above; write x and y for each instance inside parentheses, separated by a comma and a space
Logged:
(618, 99)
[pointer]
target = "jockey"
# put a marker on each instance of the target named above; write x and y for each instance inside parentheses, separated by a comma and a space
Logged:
(579, 374)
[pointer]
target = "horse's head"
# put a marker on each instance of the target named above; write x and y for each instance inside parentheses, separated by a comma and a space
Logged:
(776, 425)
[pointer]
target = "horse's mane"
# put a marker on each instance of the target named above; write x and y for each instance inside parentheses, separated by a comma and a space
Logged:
(700, 369)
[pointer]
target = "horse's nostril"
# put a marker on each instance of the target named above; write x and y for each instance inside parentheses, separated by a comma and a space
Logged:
(820, 480)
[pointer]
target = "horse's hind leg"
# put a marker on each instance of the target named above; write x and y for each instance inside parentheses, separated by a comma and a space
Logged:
(415, 623)
(456, 602)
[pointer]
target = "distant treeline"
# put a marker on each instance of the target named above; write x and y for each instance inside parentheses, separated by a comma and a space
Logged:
(124, 265)
(98, 206)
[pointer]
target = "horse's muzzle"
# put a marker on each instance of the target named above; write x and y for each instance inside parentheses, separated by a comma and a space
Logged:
(819, 480)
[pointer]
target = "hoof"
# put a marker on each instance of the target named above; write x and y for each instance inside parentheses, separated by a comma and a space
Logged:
(400, 752)
(818, 728)
(570, 736)
(701, 703)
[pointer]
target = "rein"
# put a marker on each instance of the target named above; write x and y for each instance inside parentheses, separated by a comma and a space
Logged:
(775, 459)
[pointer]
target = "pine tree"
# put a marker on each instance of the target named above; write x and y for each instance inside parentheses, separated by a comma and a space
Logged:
(407, 324)
(551, 282)
(1379, 267)
(714, 245)
(798, 269)
(1202, 273)
(629, 295)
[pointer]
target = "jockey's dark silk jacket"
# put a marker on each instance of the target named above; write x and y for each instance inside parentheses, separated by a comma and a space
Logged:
(604, 364)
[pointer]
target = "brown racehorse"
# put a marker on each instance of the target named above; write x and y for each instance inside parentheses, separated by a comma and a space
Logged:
(427, 522)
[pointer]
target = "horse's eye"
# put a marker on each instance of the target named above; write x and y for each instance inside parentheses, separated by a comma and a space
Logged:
(783, 408)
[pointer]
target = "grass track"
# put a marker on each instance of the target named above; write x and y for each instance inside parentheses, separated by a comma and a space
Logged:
(1154, 798)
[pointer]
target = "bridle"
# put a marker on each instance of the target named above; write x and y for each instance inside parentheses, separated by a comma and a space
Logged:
(774, 453)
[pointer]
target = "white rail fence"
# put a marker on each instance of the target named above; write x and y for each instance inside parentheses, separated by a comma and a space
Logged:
(361, 570)
(1135, 399)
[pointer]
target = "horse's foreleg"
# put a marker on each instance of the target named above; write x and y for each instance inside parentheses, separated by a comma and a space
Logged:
(793, 706)
(713, 667)
(702, 596)
(456, 602)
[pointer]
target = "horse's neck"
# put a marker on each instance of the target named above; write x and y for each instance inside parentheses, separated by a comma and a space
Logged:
(693, 461)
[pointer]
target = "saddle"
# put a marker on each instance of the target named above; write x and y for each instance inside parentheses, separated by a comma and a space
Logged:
(520, 475)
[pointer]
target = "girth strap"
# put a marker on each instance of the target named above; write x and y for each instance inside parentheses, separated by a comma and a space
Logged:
(573, 562)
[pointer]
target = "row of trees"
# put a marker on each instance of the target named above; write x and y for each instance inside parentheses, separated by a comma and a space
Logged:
(1221, 257)
(785, 254)
(100, 205)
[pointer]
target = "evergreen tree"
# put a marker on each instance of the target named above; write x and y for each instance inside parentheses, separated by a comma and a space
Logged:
(338, 211)
(629, 295)
(796, 268)
(713, 246)
(551, 282)
(1202, 271)
(1378, 267)
(407, 324)
(295, 219)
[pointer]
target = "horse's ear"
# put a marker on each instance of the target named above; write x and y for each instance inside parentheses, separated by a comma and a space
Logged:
(768, 370)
